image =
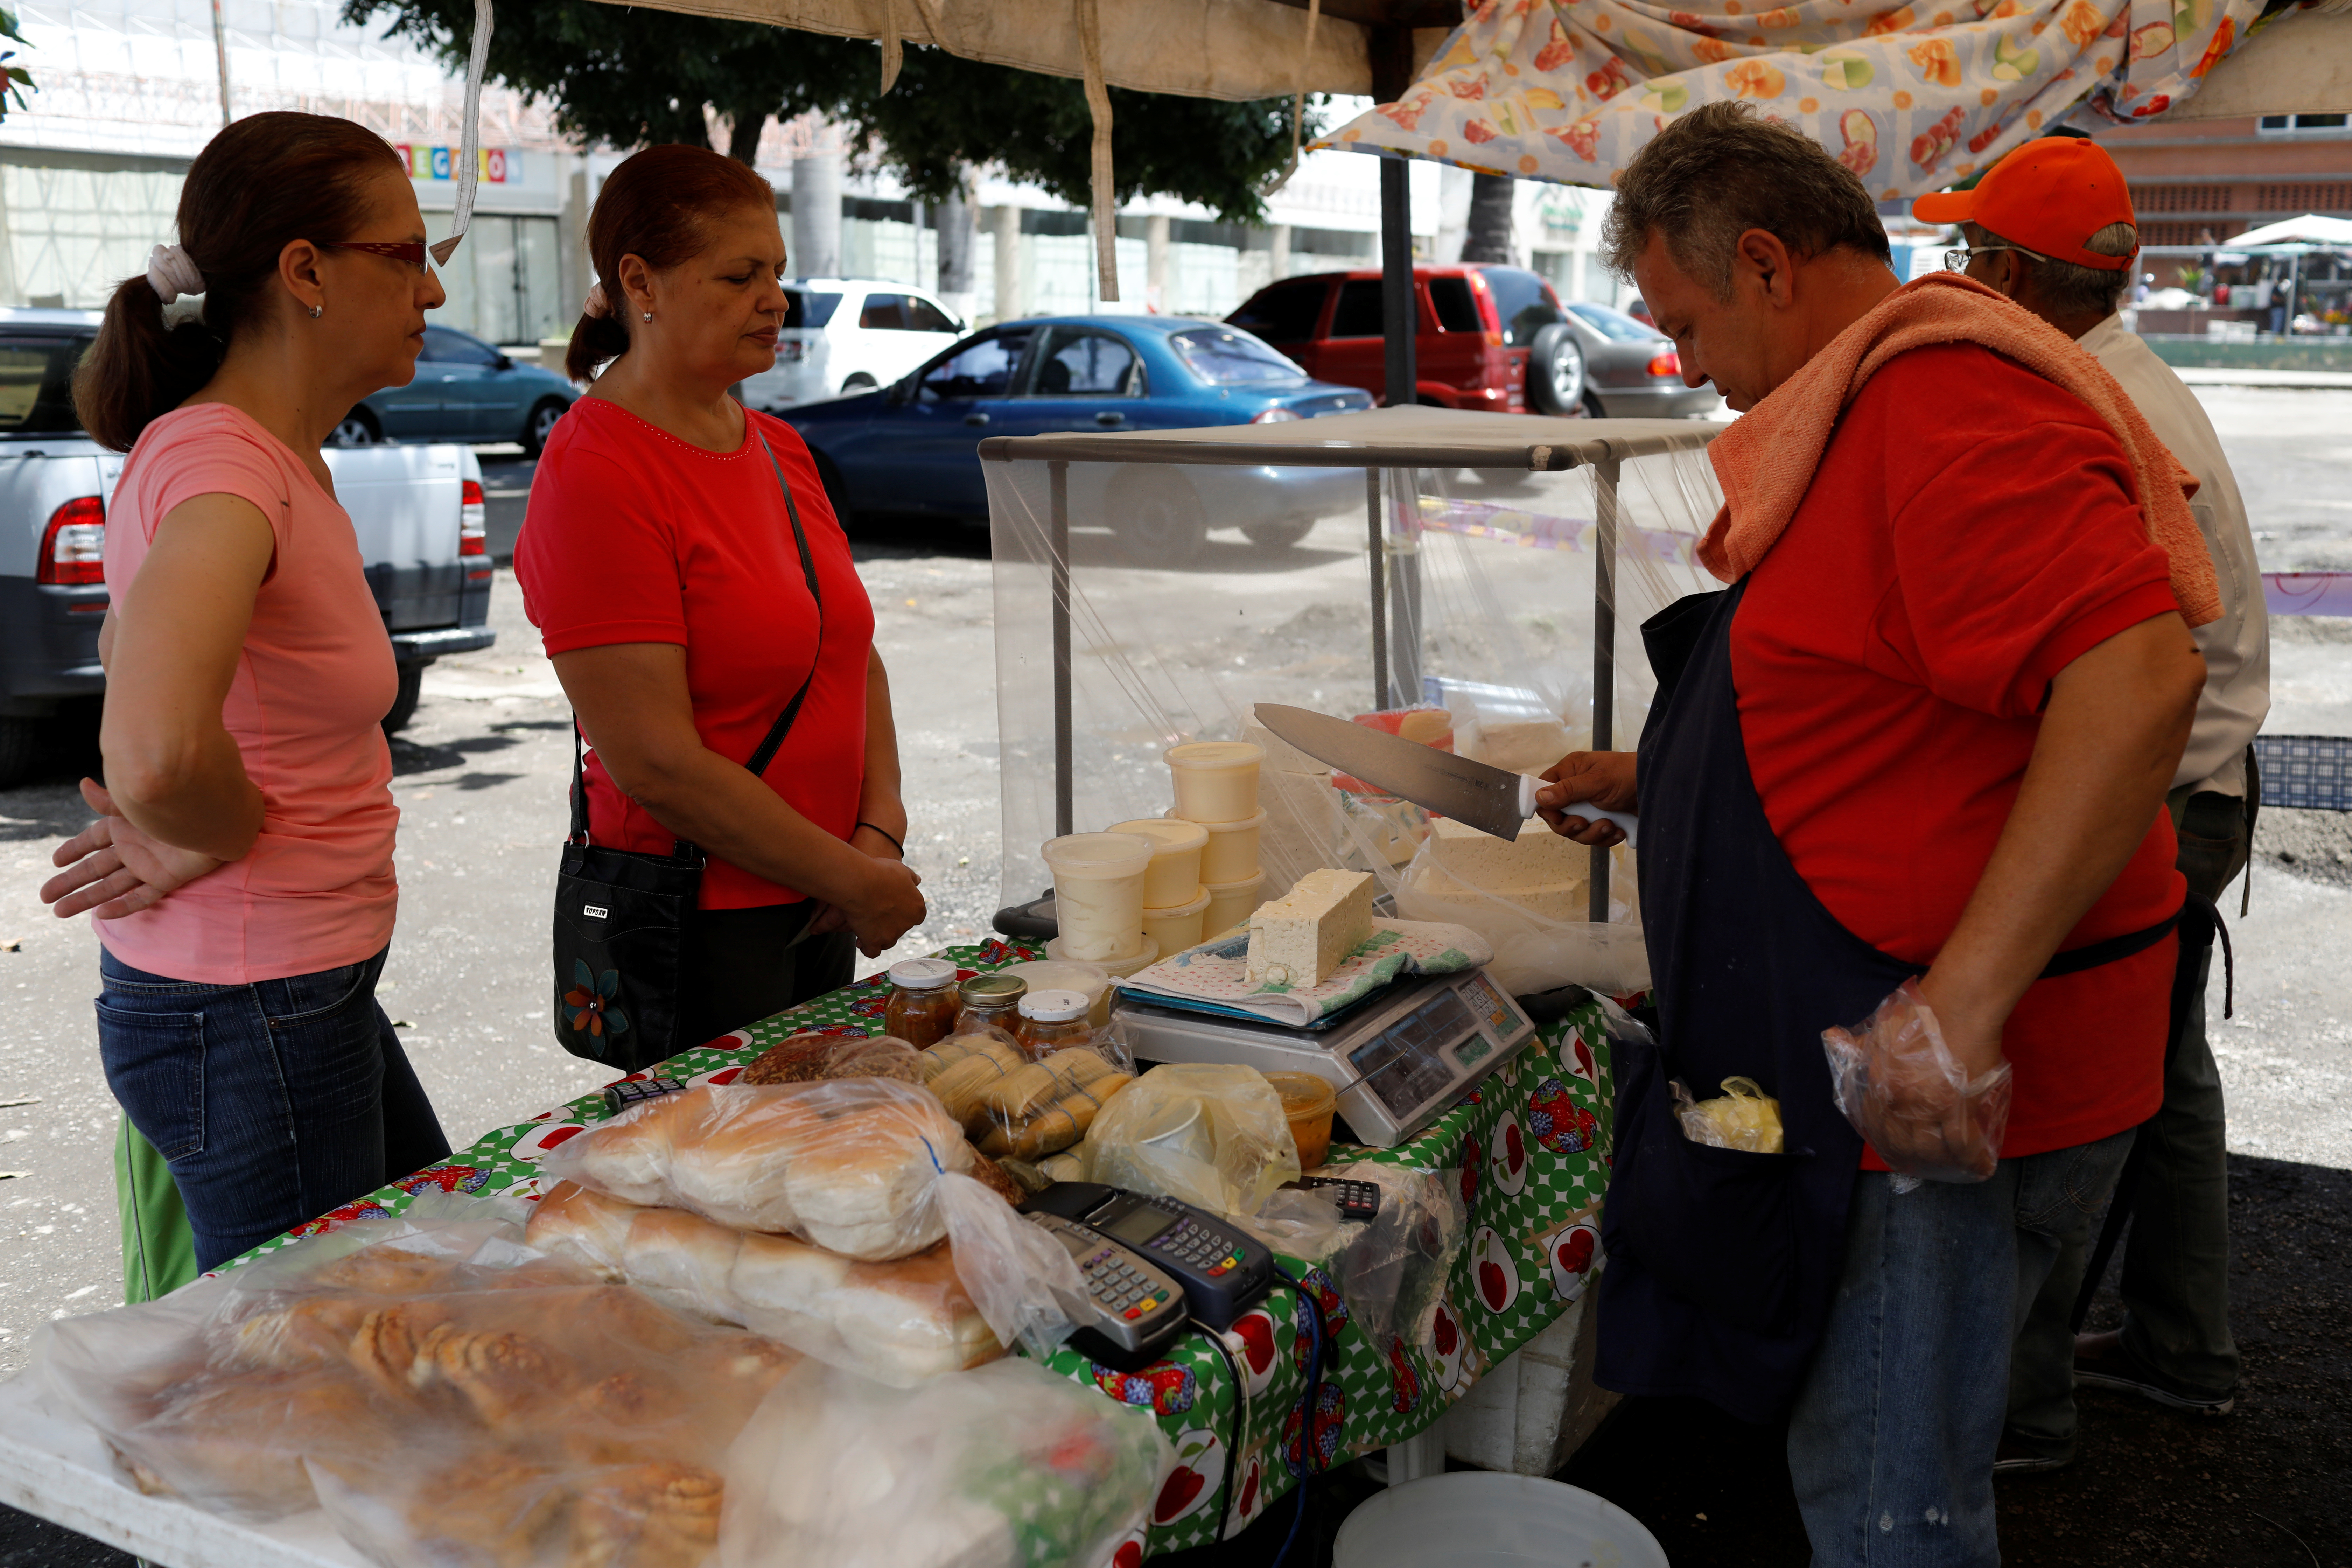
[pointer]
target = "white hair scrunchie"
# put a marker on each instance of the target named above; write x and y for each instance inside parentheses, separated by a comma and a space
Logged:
(173, 276)
(597, 304)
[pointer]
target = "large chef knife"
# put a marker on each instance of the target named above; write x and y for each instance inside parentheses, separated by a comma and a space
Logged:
(1487, 798)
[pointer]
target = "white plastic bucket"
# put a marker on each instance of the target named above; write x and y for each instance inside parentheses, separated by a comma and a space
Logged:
(1098, 893)
(1482, 1519)
(1174, 878)
(1232, 852)
(1216, 781)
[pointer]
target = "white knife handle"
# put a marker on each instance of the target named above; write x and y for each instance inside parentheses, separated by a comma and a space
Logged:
(1529, 785)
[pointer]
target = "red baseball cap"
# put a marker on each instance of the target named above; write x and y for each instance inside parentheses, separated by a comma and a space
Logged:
(2049, 195)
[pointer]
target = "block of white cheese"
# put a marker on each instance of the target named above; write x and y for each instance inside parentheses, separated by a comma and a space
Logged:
(1300, 939)
(1539, 871)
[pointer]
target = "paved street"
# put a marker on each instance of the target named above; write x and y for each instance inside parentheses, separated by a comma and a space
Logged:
(481, 782)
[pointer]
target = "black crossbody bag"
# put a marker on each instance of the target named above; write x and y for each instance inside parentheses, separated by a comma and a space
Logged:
(621, 914)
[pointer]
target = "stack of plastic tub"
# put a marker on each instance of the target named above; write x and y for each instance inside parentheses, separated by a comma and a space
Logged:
(1174, 902)
(1217, 789)
(1099, 888)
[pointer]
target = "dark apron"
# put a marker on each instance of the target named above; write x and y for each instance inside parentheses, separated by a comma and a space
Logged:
(1722, 1263)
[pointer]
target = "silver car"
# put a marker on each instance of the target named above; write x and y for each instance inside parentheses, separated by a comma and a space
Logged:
(1630, 369)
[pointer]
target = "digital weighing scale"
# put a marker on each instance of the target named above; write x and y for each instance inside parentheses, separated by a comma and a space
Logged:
(1398, 1061)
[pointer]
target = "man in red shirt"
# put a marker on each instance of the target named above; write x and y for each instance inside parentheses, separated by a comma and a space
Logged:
(1926, 733)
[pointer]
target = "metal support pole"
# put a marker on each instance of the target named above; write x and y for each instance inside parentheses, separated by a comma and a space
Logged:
(1400, 312)
(1403, 547)
(1058, 541)
(1377, 554)
(1605, 647)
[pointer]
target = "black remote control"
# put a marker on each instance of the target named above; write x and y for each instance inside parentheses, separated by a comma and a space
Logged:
(629, 1092)
(1356, 1200)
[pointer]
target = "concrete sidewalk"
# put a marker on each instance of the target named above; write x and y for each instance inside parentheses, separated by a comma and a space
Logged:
(2209, 375)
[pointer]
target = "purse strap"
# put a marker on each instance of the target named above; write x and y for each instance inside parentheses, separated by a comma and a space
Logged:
(757, 764)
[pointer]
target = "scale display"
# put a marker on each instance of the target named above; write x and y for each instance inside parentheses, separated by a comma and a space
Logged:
(1397, 1063)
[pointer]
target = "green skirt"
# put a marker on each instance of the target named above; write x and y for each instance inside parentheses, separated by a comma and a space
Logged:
(159, 1249)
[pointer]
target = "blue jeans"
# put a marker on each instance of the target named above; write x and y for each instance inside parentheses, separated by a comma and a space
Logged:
(273, 1102)
(1891, 1443)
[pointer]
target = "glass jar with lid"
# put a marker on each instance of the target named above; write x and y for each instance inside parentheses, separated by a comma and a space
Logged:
(991, 1001)
(923, 1001)
(1055, 1020)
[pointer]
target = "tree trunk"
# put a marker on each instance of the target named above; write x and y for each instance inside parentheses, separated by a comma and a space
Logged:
(743, 135)
(1489, 239)
(954, 217)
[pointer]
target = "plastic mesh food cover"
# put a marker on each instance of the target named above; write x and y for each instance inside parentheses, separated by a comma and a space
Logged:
(1195, 591)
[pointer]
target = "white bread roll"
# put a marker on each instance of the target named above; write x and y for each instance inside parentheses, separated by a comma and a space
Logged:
(777, 1274)
(629, 1157)
(587, 1228)
(683, 1259)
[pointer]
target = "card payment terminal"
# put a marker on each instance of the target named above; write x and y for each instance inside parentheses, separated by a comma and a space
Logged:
(1223, 1271)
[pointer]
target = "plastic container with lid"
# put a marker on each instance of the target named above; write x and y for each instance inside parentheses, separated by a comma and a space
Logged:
(1308, 1102)
(991, 1001)
(1177, 846)
(1055, 1020)
(1098, 892)
(1232, 852)
(1180, 928)
(923, 1001)
(1059, 951)
(1068, 974)
(1216, 781)
(1230, 904)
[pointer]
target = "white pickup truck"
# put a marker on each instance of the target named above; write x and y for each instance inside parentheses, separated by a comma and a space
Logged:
(418, 511)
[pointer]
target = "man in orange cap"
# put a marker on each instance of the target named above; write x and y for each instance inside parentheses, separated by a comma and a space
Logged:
(2051, 226)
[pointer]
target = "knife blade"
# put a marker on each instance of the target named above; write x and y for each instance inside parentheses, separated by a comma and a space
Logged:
(1488, 798)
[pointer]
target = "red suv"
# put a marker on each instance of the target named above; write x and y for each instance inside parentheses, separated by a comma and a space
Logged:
(1480, 326)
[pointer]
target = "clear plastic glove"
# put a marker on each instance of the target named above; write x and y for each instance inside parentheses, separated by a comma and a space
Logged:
(1910, 1099)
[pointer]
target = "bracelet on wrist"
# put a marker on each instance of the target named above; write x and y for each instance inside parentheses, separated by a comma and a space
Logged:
(887, 833)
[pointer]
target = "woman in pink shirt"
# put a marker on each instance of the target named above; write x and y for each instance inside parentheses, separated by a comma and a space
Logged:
(240, 870)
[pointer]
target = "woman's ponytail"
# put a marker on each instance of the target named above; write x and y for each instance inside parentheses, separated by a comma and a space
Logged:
(140, 367)
(260, 185)
(594, 341)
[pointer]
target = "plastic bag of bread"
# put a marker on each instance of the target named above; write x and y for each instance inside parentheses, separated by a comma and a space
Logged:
(452, 1397)
(1044, 1107)
(1007, 1467)
(817, 1055)
(849, 1164)
(898, 1321)
(1212, 1135)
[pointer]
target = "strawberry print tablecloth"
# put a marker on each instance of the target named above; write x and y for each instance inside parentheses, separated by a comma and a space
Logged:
(1530, 1145)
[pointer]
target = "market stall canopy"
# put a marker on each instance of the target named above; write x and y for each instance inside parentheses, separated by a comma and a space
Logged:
(1911, 97)
(2305, 68)
(2308, 229)
(1201, 48)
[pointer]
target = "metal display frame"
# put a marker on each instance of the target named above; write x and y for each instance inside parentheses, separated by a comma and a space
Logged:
(1604, 446)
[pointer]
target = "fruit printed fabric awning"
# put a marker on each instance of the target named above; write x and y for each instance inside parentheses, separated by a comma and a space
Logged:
(1910, 97)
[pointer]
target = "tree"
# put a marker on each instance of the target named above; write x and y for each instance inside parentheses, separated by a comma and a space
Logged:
(631, 78)
(1489, 229)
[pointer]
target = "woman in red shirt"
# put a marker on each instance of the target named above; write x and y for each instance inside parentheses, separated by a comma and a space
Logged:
(659, 562)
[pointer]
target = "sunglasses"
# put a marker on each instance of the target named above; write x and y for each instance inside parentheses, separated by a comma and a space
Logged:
(410, 251)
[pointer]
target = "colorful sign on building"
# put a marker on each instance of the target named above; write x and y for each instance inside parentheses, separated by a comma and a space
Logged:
(498, 165)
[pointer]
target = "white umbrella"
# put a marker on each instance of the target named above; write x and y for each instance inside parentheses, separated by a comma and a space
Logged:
(2308, 229)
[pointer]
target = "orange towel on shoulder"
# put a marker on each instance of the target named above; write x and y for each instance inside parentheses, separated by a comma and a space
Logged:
(1766, 459)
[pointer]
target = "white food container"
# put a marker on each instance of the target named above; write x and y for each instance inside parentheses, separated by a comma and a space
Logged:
(1180, 928)
(1230, 904)
(1098, 893)
(1231, 854)
(1068, 974)
(1174, 878)
(1216, 781)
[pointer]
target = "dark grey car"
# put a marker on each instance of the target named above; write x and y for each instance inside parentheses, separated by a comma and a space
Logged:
(1631, 370)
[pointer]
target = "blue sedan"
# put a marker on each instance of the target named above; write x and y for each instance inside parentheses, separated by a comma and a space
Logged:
(913, 446)
(464, 390)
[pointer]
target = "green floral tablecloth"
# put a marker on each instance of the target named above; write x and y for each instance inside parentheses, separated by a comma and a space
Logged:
(1531, 1148)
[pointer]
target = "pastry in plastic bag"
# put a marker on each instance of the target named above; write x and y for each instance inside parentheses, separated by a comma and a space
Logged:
(1744, 1116)
(815, 1055)
(1911, 1099)
(1007, 1467)
(515, 1412)
(1211, 1135)
(898, 1321)
(849, 1164)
